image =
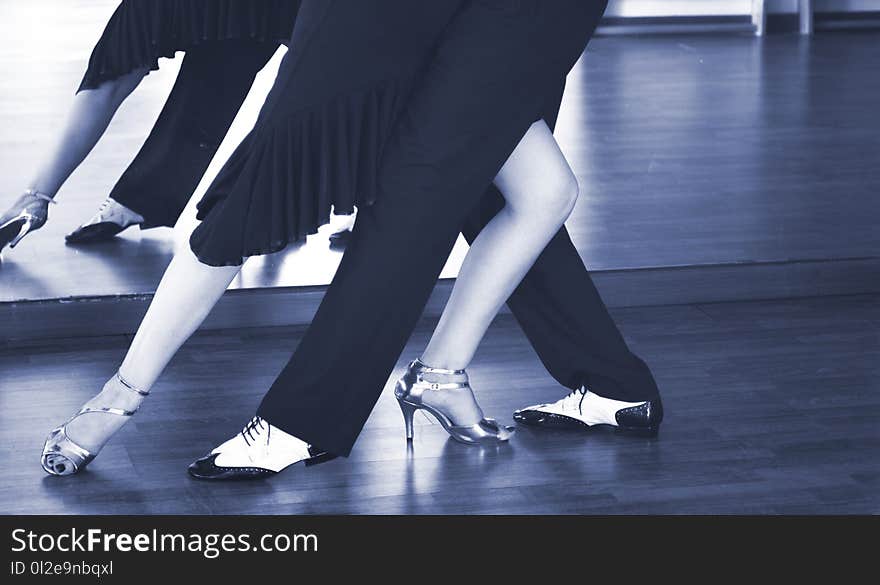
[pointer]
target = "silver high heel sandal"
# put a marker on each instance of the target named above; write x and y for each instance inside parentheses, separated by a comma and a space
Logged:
(62, 456)
(409, 391)
(28, 214)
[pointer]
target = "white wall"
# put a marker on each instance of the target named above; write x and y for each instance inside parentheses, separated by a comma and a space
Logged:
(727, 7)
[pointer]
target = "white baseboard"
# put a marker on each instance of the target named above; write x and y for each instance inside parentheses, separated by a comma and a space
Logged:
(667, 8)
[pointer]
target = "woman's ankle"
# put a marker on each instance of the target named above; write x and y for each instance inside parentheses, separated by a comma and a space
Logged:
(118, 393)
(442, 371)
(41, 189)
(442, 361)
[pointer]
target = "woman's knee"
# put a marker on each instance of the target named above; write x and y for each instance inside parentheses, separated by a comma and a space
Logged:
(536, 179)
(551, 198)
(566, 192)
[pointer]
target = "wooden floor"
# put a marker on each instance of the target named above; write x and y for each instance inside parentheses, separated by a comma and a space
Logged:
(690, 150)
(772, 407)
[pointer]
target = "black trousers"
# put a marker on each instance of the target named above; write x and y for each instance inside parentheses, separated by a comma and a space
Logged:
(213, 81)
(494, 73)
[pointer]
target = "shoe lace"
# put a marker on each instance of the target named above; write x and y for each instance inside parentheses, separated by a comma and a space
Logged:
(105, 206)
(254, 429)
(574, 399)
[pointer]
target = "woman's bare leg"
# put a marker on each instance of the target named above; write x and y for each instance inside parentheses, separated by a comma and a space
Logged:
(187, 293)
(540, 191)
(87, 121)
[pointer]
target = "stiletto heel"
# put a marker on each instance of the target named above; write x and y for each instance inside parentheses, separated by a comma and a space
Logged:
(61, 455)
(408, 411)
(25, 228)
(410, 396)
(28, 214)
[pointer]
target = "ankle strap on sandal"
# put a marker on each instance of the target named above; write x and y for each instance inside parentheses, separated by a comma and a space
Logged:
(425, 369)
(40, 195)
(131, 387)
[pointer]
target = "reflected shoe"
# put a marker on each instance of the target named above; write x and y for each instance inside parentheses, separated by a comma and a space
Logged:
(260, 450)
(29, 213)
(340, 239)
(342, 226)
(63, 456)
(410, 392)
(583, 409)
(111, 219)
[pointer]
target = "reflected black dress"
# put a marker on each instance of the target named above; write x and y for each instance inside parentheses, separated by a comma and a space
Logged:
(226, 43)
(141, 32)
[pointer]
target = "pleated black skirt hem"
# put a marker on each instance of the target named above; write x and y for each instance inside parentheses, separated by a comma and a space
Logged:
(283, 181)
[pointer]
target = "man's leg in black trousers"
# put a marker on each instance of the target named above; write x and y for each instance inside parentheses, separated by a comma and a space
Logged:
(481, 93)
(213, 82)
(566, 321)
(563, 316)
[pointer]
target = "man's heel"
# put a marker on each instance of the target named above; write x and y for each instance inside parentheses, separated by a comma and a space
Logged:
(650, 431)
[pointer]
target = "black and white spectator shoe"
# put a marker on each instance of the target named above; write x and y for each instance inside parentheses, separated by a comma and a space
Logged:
(583, 409)
(111, 219)
(260, 450)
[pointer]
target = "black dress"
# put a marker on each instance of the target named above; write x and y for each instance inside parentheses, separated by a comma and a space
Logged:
(319, 136)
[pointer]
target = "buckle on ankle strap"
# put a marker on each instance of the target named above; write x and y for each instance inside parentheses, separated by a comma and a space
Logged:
(441, 385)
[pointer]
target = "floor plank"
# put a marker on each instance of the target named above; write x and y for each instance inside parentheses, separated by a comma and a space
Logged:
(772, 407)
